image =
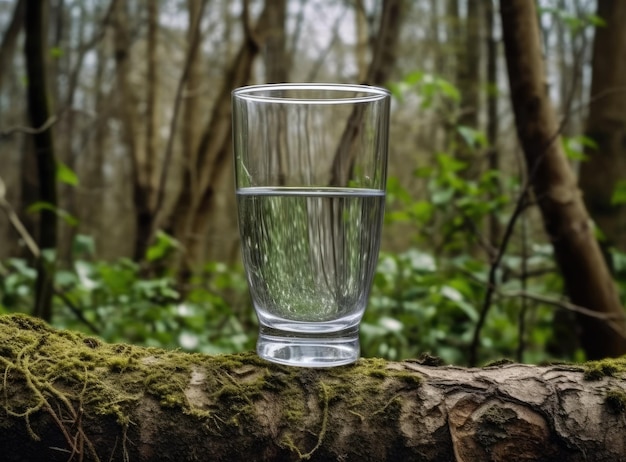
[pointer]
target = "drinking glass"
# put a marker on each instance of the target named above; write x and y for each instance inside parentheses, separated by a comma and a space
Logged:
(310, 171)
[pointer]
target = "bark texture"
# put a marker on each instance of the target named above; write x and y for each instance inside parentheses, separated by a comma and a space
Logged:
(39, 112)
(69, 397)
(566, 220)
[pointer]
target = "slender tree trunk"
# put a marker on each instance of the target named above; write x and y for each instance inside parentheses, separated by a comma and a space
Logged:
(39, 112)
(385, 46)
(468, 79)
(453, 33)
(493, 93)
(151, 117)
(194, 209)
(275, 50)
(70, 398)
(586, 276)
(9, 39)
(606, 124)
(362, 39)
(128, 116)
(378, 72)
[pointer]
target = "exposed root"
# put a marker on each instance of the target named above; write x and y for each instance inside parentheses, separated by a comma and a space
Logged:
(321, 434)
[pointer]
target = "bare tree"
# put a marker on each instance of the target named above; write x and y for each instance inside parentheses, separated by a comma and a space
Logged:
(587, 279)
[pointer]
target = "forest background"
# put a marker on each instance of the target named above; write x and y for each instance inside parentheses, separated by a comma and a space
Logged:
(116, 187)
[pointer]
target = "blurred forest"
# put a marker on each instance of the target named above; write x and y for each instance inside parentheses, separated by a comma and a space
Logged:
(117, 208)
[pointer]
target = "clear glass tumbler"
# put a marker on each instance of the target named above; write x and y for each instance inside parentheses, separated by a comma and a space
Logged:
(310, 170)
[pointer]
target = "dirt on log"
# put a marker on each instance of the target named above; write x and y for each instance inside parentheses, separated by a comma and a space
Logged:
(69, 397)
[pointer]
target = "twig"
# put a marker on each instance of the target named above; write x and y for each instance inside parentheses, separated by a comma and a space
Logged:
(30, 130)
(17, 223)
(520, 206)
(609, 317)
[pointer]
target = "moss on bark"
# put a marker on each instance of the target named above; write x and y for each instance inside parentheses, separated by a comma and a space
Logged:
(68, 396)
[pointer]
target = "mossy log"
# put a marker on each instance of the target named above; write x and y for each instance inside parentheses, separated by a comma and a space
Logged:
(69, 397)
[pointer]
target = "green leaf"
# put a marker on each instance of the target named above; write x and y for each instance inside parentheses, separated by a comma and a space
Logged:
(442, 196)
(66, 175)
(472, 137)
(422, 210)
(619, 193)
(83, 245)
(56, 52)
(574, 147)
(164, 243)
(60, 213)
(596, 20)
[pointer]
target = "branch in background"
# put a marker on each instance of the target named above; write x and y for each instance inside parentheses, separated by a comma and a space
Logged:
(319, 62)
(30, 130)
(520, 205)
(178, 99)
(17, 223)
(609, 317)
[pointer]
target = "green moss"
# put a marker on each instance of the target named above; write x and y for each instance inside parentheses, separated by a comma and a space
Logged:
(113, 379)
(616, 400)
(610, 367)
(499, 362)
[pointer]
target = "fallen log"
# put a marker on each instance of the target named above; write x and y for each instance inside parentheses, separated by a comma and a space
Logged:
(70, 397)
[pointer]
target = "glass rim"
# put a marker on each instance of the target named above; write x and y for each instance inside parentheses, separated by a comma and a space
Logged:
(366, 93)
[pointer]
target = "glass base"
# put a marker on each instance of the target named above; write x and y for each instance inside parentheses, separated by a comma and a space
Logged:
(308, 350)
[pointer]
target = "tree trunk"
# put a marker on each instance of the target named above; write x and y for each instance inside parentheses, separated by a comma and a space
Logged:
(9, 39)
(385, 46)
(193, 212)
(587, 279)
(469, 84)
(493, 125)
(277, 63)
(606, 124)
(127, 107)
(39, 113)
(69, 397)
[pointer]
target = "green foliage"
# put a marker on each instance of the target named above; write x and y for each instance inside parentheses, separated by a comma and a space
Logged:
(619, 193)
(59, 212)
(428, 298)
(126, 305)
(66, 175)
(574, 146)
(433, 91)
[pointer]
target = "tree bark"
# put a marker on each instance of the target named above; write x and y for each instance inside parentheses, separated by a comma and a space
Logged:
(69, 397)
(586, 276)
(606, 124)
(39, 114)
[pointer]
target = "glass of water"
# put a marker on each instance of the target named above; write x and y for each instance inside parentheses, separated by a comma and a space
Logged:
(310, 170)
